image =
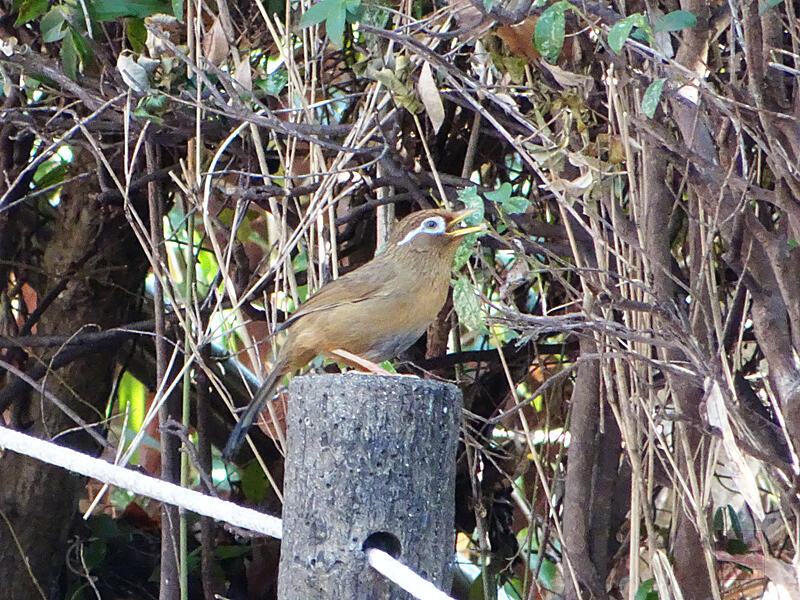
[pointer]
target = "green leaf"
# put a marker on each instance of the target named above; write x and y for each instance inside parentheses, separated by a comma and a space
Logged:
(645, 590)
(82, 46)
(108, 10)
(69, 58)
(155, 102)
(273, 83)
(736, 524)
(512, 587)
(471, 199)
(508, 203)
(549, 32)
(319, 12)
(94, 553)
(735, 546)
(652, 95)
(334, 26)
(177, 9)
(503, 194)
(136, 33)
(254, 484)
(643, 34)
(49, 173)
(635, 26)
(354, 10)
(53, 25)
(476, 588)
(335, 13)
(516, 205)
(143, 114)
(104, 527)
(29, 10)
(675, 21)
(132, 395)
(467, 306)
(548, 573)
(232, 551)
(619, 33)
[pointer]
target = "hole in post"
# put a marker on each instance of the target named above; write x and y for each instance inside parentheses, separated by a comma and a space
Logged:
(383, 540)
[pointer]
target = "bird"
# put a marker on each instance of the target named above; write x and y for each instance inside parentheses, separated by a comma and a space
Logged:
(375, 311)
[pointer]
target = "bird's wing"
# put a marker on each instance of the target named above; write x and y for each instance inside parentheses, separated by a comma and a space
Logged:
(364, 283)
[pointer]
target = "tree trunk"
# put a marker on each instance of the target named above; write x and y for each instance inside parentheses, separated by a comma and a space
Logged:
(367, 456)
(92, 252)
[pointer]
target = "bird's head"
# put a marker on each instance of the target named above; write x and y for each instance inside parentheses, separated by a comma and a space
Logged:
(436, 231)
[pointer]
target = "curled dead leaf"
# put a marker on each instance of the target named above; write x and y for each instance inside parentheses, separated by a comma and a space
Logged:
(429, 94)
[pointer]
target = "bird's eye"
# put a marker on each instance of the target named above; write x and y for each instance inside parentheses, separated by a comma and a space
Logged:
(433, 225)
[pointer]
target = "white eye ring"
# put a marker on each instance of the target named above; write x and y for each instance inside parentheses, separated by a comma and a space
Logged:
(431, 225)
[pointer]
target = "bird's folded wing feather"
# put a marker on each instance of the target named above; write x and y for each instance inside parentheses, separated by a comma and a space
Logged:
(352, 288)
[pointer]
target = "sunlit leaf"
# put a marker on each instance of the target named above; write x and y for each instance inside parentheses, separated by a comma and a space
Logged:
(467, 305)
(550, 30)
(645, 590)
(469, 196)
(334, 26)
(335, 14)
(136, 33)
(508, 203)
(618, 34)
(132, 395)
(29, 10)
(472, 201)
(49, 173)
(53, 25)
(319, 12)
(512, 588)
(273, 83)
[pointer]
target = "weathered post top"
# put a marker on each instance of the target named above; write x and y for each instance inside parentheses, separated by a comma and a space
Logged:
(367, 455)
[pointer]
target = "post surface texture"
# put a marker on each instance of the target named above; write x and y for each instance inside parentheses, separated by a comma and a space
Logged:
(367, 454)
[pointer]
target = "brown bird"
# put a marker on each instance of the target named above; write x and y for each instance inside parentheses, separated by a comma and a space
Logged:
(375, 311)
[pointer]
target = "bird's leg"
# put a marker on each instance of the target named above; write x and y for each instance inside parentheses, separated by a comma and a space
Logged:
(359, 362)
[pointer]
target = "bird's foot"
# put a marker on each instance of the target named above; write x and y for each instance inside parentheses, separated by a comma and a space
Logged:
(359, 362)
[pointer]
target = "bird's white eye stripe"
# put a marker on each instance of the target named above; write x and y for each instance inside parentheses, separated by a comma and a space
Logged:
(410, 236)
(431, 225)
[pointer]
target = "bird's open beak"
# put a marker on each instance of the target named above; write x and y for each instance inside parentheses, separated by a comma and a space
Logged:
(455, 231)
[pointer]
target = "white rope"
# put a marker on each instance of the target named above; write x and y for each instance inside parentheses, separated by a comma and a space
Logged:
(394, 570)
(221, 510)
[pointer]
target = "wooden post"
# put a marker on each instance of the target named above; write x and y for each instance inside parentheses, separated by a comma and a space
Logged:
(368, 457)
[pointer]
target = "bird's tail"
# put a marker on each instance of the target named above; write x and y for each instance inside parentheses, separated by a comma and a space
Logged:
(257, 404)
